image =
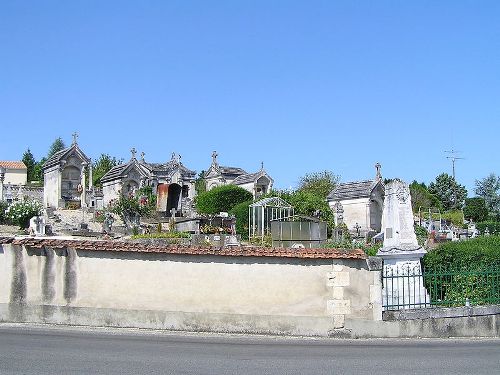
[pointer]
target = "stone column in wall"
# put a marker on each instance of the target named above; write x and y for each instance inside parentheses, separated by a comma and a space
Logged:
(401, 253)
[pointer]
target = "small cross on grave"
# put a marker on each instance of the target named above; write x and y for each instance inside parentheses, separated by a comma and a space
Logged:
(173, 211)
(214, 157)
(75, 137)
(357, 227)
(133, 152)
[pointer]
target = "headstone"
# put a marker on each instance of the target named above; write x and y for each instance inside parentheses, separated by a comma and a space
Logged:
(37, 226)
(401, 252)
(231, 240)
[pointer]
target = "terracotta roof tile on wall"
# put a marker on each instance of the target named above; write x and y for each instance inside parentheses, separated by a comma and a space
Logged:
(13, 164)
(131, 246)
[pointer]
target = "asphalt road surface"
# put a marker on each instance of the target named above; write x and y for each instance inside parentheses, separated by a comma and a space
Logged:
(51, 350)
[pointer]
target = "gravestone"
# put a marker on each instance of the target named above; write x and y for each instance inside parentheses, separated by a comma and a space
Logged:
(401, 252)
(37, 226)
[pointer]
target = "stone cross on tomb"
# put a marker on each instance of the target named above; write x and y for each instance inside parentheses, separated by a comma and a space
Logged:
(214, 157)
(173, 211)
(142, 156)
(133, 151)
(261, 165)
(379, 174)
(75, 137)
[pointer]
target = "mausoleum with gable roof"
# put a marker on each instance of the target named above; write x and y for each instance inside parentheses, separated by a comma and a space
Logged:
(172, 182)
(359, 204)
(64, 177)
(258, 183)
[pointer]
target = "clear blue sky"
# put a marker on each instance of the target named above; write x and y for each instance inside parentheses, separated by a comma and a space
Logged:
(303, 86)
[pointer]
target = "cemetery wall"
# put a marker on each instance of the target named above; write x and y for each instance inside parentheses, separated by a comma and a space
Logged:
(257, 290)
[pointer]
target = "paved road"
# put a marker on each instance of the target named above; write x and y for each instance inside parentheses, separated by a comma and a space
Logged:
(40, 350)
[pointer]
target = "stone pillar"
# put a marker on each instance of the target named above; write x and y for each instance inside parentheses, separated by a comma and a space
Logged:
(2, 177)
(90, 175)
(337, 306)
(83, 195)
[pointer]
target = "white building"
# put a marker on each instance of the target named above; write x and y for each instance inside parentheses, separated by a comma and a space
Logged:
(16, 172)
(258, 183)
(359, 204)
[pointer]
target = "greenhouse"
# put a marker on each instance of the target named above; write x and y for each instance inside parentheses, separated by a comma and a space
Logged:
(262, 212)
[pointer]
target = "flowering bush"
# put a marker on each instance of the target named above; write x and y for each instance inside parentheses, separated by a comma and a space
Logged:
(20, 213)
(131, 207)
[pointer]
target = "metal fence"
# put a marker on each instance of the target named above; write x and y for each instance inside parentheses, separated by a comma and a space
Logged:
(412, 287)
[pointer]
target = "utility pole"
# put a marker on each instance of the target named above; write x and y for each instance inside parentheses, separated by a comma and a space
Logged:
(453, 157)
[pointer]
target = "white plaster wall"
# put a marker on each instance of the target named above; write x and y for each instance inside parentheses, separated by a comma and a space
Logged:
(51, 187)
(202, 284)
(248, 187)
(5, 275)
(16, 176)
(110, 191)
(355, 211)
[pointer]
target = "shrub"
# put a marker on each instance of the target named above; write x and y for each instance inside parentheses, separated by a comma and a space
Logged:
(3, 207)
(20, 213)
(471, 254)
(221, 199)
(240, 212)
(457, 271)
(493, 227)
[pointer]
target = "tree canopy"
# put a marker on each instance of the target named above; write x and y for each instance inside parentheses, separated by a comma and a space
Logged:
(422, 198)
(475, 209)
(318, 183)
(221, 199)
(488, 188)
(30, 163)
(56, 146)
(101, 166)
(448, 191)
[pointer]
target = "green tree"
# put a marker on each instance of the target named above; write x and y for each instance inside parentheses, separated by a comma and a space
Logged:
(489, 189)
(318, 183)
(240, 212)
(102, 166)
(221, 199)
(200, 185)
(475, 209)
(448, 191)
(56, 146)
(30, 163)
(422, 198)
(38, 170)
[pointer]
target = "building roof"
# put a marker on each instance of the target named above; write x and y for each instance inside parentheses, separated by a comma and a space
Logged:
(353, 190)
(135, 247)
(12, 164)
(157, 169)
(170, 166)
(60, 155)
(246, 178)
(231, 171)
